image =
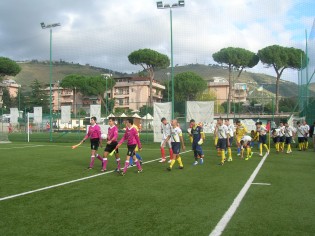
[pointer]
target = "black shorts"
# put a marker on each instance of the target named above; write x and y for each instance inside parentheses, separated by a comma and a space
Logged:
(131, 150)
(288, 140)
(263, 139)
(281, 139)
(231, 141)
(222, 143)
(176, 147)
(95, 142)
(276, 139)
(110, 147)
(301, 139)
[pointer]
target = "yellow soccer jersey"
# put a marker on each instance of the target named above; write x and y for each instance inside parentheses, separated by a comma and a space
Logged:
(241, 131)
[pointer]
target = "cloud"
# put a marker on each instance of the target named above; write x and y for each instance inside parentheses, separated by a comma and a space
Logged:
(103, 32)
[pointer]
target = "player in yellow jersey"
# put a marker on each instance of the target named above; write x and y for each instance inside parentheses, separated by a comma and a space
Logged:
(240, 131)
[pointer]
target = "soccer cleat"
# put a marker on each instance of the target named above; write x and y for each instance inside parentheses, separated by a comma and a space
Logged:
(230, 159)
(122, 173)
(117, 170)
(260, 155)
(89, 168)
(162, 160)
(169, 161)
(246, 159)
(169, 168)
(195, 163)
(221, 164)
(103, 170)
(140, 171)
(238, 154)
(201, 161)
(268, 153)
(251, 154)
(181, 167)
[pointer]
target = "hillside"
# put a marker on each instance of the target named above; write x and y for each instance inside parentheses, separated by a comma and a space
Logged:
(40, 71)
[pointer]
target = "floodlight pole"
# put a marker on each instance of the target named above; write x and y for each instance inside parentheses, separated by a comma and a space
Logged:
(165, 6)
(50, 74)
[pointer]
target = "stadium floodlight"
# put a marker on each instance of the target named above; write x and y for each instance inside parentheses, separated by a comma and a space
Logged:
(168, 6)
(50, 74)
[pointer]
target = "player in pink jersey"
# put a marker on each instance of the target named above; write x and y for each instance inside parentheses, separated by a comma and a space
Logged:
(131, 135)
(112, 137)
(94, 133)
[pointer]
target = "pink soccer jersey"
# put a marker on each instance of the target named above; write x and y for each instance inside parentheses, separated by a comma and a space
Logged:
(93, 132)
(131, 135)
(112, 133)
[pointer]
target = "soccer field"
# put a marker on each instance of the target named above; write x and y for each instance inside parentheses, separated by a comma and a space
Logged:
(192, 201)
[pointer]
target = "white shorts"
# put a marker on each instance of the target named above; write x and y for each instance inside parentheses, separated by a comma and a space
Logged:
(168, 143)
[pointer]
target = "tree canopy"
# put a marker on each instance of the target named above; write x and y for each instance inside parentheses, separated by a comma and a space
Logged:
(235, 58)
(188, 86)
(281, 58)
(8, 67)
(149, 60)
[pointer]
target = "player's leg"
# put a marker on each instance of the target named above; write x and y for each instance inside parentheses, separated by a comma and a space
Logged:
(137, 163)
(94, 147)
(230, 149)
(238, 140)
(200, 154)
(170, 149)
(162, 147)
(105, 155)
(176, 150)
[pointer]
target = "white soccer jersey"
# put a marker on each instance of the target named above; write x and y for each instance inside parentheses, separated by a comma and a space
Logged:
(300, 131)
(230, 130)
(281, 131)
(222, 131)
(175, 134)
(166, 130)
(261, 130)
(288, 131)
(276, 134)
(307, 129)
(246, 139)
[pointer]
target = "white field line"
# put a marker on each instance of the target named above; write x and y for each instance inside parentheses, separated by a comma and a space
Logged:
(218, 230)
(70, 182)
(261, 183)
(33, 146)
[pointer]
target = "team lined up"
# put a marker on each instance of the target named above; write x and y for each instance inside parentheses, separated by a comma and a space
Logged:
(172, 137)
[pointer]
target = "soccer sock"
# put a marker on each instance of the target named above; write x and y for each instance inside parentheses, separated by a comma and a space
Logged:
(289, 148)
(219, 152)
(306, 145)
(138, 164)
(118, 163)
(131, 161)
(104, 163)
(126, 166)
(138, 157)
(162, 152)
(260, 148)
(247, 151)
(92, 161)
(303, 145)
(266, 146)
(238, 150)
(230, 152)
(282, 146)
(99, 157)
(171, 153)
(179, 160)
(172, 163)
(300, 148)
(222, 156)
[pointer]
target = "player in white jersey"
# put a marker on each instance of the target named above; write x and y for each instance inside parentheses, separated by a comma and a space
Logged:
(176, 137)
(166, 131)
(231, 137)
(262, 137)
(275, 134)
(223, 141)
(307, 134)
(245, 144)
(281, 136)
(288, 133)
(301, 133)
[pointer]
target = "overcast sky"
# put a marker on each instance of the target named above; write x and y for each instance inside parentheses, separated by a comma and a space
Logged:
(104, 32)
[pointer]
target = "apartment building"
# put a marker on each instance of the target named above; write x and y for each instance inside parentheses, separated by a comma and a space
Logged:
(134, 92)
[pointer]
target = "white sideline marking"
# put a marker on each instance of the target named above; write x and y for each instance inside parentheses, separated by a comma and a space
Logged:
(261, 183)
(70, 182)
(219, 228)
(23, 147)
